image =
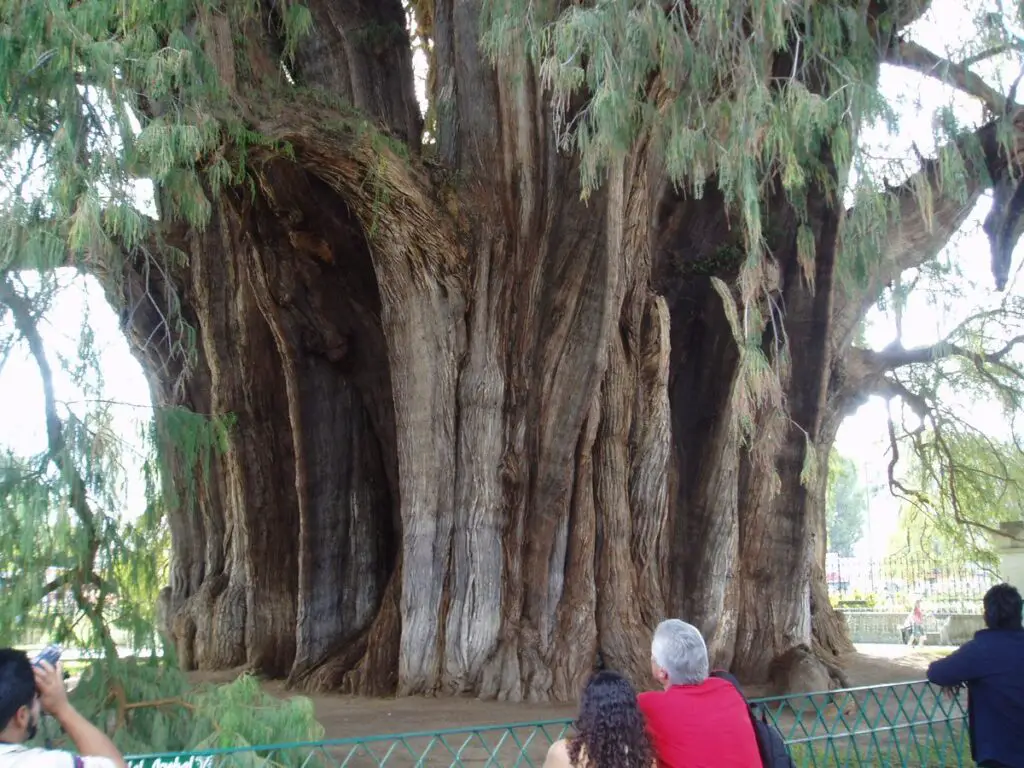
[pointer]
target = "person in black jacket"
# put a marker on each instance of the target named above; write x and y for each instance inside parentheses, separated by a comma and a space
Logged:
(992, 667)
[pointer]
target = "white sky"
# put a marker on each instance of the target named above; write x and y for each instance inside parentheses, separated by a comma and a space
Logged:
(862, 438)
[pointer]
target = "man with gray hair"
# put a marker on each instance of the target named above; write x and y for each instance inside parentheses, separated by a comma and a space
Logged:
(696, 720)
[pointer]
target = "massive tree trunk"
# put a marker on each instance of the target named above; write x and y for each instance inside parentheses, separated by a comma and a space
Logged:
(481, 430)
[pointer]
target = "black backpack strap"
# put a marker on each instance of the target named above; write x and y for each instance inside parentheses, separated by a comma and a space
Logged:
(729, 678)
(763, 730)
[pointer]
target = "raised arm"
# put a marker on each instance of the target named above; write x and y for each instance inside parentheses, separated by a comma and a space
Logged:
(89, 740)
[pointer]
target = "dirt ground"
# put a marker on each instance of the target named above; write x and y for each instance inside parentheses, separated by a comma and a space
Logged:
(348, 716)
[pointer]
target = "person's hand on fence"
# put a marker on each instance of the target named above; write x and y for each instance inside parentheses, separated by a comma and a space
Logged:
(952, 691)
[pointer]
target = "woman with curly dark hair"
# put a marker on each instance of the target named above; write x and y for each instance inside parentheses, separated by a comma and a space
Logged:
(610, 729)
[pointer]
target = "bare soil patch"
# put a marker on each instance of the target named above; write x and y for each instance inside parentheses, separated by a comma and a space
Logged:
(350, 716)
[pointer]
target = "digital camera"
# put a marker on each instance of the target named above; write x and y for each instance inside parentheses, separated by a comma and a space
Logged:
(49, 654)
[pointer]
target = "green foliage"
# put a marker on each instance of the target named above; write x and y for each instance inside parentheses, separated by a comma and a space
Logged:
(101, 101)
(858, 599)
(715, 107)
(83, 553)
(698, 79)
(960, 464)
(845, 505)
(185, 439)
(151, 707)
(76, 566)
(965, 485)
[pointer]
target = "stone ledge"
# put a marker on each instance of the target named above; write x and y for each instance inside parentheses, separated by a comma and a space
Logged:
(884, 627)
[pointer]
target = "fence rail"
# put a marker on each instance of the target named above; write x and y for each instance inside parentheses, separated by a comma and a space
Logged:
(908, 724)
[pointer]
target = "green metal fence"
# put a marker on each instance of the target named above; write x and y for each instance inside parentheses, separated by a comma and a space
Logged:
(908, 724)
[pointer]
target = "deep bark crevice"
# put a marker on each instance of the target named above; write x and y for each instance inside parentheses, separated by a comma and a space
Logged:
(704, 539)
(247, 383)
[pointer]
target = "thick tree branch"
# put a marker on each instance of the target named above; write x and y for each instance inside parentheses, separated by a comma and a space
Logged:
(917, 233)
(890, 389)
(990, 53)
(362, 169)
(896, 355)
(868, 372)
(911, 55)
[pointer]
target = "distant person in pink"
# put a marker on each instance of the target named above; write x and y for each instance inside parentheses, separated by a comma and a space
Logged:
(913, 628)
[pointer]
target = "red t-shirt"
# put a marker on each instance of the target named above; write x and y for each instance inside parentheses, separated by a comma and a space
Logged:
(700, 726)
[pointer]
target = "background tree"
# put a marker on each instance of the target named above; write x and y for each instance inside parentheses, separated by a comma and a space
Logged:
(954, 454)
(79, 569)
(956, 505)
(483, 426)
(847, 502)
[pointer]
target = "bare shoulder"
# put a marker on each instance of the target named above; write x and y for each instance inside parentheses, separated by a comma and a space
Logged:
(558, 755)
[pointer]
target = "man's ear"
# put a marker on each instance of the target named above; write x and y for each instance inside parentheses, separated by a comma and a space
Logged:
(22, 718)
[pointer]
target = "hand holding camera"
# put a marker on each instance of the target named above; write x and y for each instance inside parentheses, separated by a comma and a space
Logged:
(50, 654)
(53, 696)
